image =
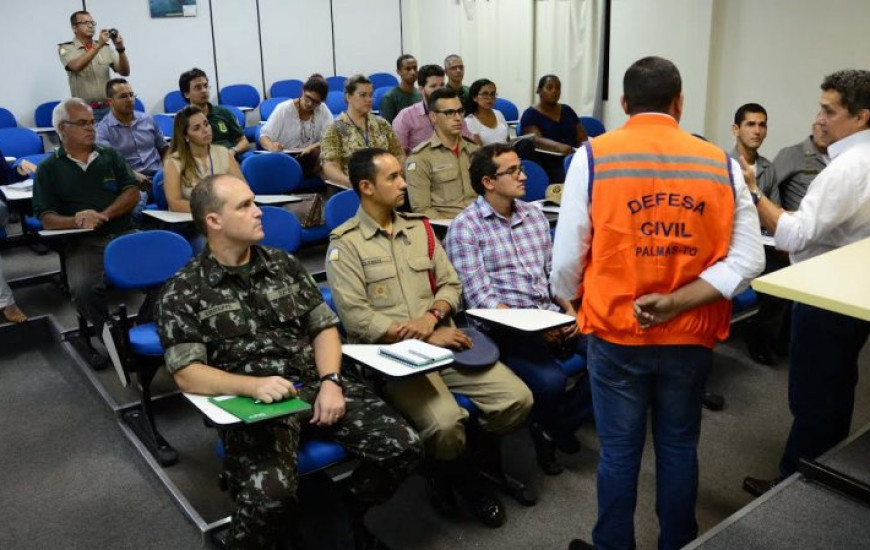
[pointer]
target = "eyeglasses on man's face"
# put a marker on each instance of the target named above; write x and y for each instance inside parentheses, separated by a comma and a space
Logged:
(87, 23)
(514, 171)
(449, 113)
(83, 123)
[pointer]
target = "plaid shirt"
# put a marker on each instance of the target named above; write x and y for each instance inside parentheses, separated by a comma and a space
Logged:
(502, 261)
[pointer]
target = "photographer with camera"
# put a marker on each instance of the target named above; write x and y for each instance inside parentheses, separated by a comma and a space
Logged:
(87, 61)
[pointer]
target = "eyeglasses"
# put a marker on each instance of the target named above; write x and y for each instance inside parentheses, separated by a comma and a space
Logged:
(449, 113)
(80, 123)
(314, 102)
(488, 94)
(87, 23)
(514, 171)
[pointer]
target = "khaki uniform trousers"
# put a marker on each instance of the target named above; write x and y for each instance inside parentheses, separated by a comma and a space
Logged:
(503, 400)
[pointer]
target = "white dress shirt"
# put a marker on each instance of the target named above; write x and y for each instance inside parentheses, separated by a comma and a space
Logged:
(836, 209)
(729, 276)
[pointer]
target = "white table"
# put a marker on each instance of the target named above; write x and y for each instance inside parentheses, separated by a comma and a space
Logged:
(212, 411)
(10, 160)
(276, 199)
(168, 216)
(337, 185)
(43, 129)
(291, 152)
(547, 206)
(62, 232)
(525, 320)
(368, 355)
(838, 281)
(21, 191)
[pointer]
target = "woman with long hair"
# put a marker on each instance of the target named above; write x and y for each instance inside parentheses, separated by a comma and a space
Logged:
(192, 157)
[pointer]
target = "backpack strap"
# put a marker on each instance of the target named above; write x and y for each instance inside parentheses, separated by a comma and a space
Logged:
(430, 237)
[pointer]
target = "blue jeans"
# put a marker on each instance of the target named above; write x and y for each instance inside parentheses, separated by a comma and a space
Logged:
(626, 382)
(822, 373)
(559, 412)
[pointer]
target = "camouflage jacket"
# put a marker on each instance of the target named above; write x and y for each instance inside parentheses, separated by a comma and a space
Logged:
(259, 321)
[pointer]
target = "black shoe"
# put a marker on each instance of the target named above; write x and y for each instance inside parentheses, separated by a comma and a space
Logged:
(545, 451)
(439, 491)
(580, 544)
(759, 351)
(713, 401)
(566, 442)
(482, 502)
(757, 487)
(366, 540)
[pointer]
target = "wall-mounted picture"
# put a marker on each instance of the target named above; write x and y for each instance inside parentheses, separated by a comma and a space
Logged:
(173, 8)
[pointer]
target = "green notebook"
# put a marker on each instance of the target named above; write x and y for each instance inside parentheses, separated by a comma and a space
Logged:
(249, 410)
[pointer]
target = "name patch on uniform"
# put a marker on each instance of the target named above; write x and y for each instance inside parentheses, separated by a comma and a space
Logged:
(223, 308)
(379, 260)
(281, 292)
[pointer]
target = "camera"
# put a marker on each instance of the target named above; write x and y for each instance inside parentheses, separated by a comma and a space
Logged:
(113, 34)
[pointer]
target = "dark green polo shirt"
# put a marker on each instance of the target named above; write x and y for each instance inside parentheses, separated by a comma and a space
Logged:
(62, 187)
(395, 100)
(225, 129)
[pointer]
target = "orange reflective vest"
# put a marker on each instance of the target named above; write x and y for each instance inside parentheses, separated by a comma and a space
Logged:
(662, 209)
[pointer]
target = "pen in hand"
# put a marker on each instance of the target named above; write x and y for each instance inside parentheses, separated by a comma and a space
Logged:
(296, 386)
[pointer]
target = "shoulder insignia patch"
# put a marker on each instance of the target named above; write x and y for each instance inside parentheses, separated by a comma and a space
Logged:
(333, 255)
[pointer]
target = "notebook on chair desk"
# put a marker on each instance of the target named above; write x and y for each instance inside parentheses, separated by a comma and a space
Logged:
(415, 353)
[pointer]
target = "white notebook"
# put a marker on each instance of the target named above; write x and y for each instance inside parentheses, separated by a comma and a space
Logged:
(415, 353)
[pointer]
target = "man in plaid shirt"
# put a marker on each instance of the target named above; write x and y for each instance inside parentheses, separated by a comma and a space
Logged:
(501, 249)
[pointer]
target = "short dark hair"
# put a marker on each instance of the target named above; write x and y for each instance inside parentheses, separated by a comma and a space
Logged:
(853, 86)
(75, 15)
(428, 70)
(402, 58)
(204, 200)
(440, 93)
(318, 86)
(651, 84)
(451, 57)
(186, 78)
(110, 85)
(543, 81)
(473, 91)
(743, 110)
(361, 165)
(483, 164)
(353, 81)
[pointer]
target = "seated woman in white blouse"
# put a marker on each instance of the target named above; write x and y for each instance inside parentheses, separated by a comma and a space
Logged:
(299, 124)
(485, 122)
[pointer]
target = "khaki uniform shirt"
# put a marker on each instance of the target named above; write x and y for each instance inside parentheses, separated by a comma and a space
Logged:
(439, 185)
(88, 84)
(378, 279)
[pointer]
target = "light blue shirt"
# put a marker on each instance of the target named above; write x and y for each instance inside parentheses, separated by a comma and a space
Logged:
(139, 144)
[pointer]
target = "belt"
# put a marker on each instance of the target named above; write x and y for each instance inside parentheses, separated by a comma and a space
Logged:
(99, 104)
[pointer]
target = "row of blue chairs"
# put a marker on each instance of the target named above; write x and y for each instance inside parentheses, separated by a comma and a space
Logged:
(42, 114)
(248, 96)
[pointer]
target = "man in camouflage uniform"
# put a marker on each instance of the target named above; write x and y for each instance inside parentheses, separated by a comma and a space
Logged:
(378, 267)
(245, 320)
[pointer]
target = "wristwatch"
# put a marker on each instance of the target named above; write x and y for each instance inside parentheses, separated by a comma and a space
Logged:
(756, 196)
(335, 378)
(437, 313)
